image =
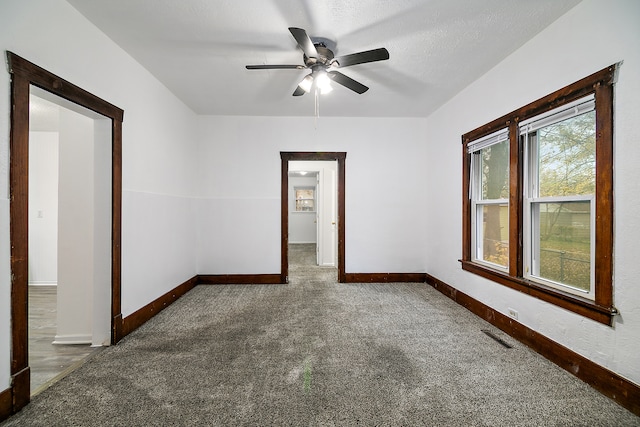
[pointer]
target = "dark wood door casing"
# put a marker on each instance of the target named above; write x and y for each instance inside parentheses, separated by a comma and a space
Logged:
(339, 157)
(23, 75)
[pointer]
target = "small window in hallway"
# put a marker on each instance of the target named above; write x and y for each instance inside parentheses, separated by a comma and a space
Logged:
(305, 199)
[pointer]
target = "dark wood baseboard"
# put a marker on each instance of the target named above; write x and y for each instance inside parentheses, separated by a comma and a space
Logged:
(116, 331)
(6, 404)
(385, 277)
(21, 382)
(612, 385)
(18, 396)
(275, 279)
(139, 317)
(239, 279)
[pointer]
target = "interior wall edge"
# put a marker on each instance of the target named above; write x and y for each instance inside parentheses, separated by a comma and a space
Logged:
(5, 295)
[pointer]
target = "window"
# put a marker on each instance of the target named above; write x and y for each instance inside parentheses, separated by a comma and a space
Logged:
(538, 204)
(490, 204)
(305, 199)
(560, 169)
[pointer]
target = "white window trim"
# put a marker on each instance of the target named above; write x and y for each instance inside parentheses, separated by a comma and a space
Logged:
(564, 112)
(476, 190)
(476, 240)
(489, 140)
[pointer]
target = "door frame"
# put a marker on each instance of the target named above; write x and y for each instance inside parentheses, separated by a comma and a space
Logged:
(287, 156)
(23, 75)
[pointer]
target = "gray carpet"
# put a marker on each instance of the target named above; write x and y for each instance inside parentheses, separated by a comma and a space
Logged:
(316, 352)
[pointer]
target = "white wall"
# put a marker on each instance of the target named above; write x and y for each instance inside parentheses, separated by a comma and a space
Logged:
(385, 183)
(75, 229)
(102, 168)
(302, 225)
(5, 294)
(590, 37)
(158, 150)
(43, 207)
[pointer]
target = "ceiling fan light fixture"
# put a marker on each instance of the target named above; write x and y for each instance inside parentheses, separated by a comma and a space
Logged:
(323, 82)
(306, 83)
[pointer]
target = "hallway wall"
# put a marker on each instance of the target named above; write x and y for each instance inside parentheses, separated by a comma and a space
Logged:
(302, 225)
(158, 150)
(588, 38)
(43, 207)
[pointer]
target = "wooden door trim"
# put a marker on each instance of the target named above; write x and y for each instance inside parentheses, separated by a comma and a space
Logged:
(340, 158)
(23, 74)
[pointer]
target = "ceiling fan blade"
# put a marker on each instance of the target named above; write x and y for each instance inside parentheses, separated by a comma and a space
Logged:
(362, 57)
(304, 42)
(275, 67)
(347, 82)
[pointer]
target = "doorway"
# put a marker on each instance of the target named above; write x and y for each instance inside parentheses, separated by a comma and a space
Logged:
(313, 208)
(24, 76)
(69, 235)
(337, 253)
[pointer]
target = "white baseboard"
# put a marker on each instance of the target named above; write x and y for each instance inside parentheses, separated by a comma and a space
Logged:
(43, 283)
(72, 339)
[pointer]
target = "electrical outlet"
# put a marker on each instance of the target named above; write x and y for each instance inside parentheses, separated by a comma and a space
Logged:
(512, 313)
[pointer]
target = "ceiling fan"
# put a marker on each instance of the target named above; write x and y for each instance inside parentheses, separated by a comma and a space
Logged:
(320, 60)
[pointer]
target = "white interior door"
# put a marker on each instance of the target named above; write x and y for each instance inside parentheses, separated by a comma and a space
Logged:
(327, 208)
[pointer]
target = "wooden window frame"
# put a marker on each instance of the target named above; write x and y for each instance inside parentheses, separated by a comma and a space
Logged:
(601, 309)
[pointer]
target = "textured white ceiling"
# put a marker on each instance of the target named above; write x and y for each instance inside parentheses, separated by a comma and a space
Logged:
(198, 48)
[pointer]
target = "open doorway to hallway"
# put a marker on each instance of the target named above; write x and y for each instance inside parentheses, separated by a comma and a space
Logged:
(69, 217)
(326, 198)
(313, 208)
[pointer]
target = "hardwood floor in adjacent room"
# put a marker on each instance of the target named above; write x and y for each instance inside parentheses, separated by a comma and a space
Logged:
(49, 362)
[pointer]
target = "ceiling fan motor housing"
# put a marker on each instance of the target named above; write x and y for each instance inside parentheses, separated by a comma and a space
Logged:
(325, 55)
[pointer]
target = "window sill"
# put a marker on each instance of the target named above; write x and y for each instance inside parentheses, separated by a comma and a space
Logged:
(581, 306)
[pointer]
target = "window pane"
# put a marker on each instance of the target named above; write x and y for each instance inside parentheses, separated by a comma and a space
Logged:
(304, 194)
(494, 166)
(493, 236)
(305, 201)
(564, 243)
(304, 205)
(567, 157)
